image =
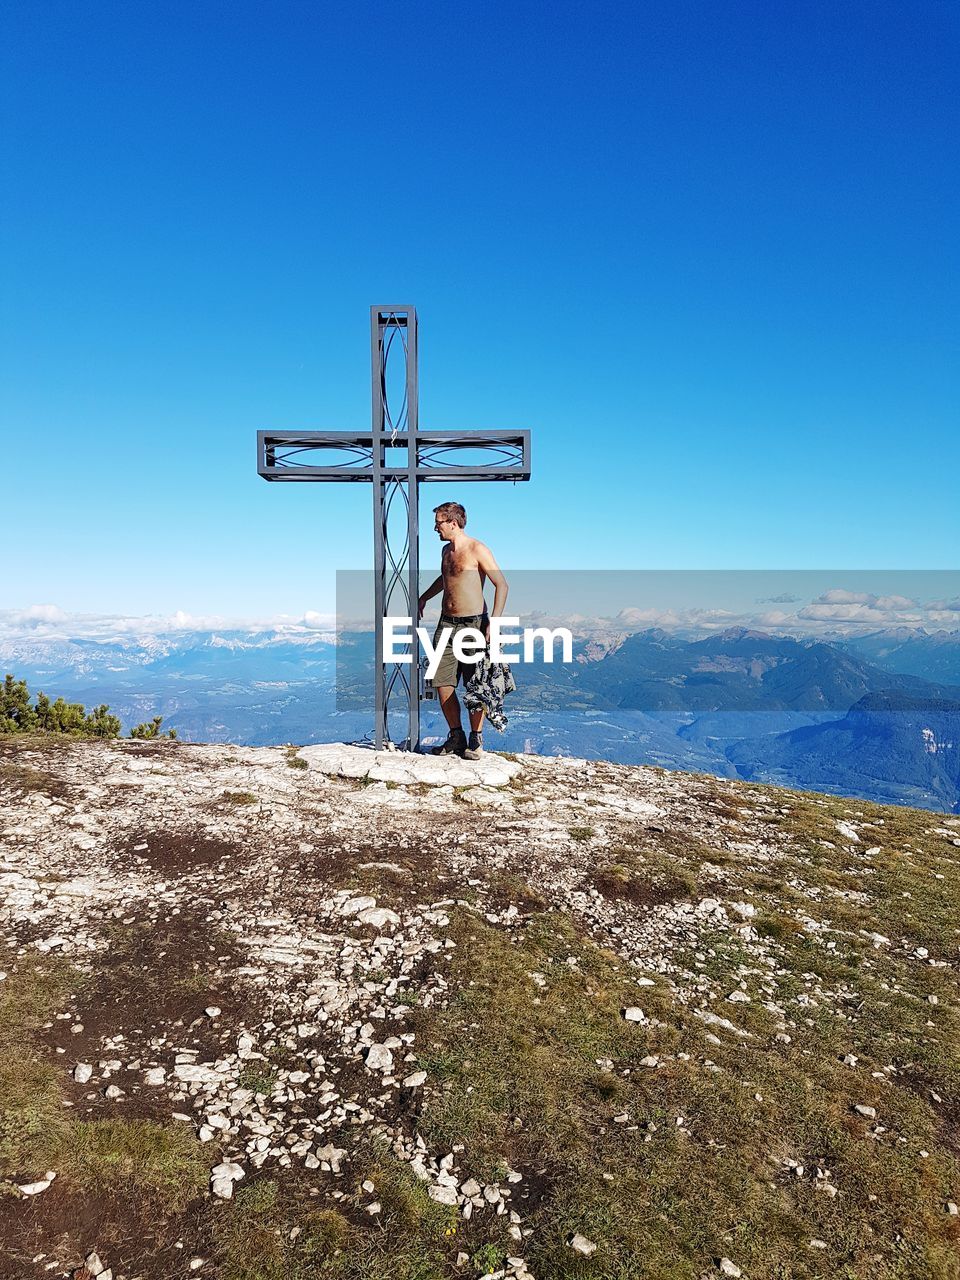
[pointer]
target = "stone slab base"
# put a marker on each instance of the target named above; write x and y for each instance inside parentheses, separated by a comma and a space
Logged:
(406, 767)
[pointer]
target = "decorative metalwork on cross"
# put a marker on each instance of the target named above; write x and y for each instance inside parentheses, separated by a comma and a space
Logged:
(396, 457)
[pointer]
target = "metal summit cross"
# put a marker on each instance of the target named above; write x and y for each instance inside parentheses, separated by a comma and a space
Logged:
(396, 457)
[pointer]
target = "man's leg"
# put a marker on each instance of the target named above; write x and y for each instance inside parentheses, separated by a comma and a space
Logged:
(475, 745)
(450, 706)
(456, 742)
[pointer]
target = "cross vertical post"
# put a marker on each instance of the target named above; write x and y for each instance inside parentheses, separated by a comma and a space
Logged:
(327, 456)
(393, 333)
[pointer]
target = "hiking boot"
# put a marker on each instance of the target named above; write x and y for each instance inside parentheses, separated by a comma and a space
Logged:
(475, 749)
(455, 744)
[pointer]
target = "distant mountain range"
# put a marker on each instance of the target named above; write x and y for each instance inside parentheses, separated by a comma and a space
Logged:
(876, 716)
(931, 656)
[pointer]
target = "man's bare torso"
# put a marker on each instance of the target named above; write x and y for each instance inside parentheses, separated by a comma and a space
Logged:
(463, 579)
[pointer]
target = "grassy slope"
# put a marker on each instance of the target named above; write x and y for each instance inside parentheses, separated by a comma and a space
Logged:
(698, 1168)
(523, 1085)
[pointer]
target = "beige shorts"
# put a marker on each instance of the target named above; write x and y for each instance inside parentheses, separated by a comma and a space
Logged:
(449, 670)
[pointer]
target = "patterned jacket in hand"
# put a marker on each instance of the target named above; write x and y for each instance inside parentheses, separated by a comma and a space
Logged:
(487, 688)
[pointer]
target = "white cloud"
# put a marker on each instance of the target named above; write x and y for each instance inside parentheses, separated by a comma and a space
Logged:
(837, 612)
(894, 602)
(51, 622)
(37, 615)
(849, 612)
(318, 621)
(647, 618)
(839, 596)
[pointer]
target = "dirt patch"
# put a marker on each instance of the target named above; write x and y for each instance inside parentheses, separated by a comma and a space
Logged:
(505, 891)
(945, 1107)
(156, 979)
(23, 779)
(179, 853)
(642, 891)
(131, 1233)
(151, 749)
(396, 876)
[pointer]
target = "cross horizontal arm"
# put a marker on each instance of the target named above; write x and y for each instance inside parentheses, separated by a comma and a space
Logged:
(299, 455)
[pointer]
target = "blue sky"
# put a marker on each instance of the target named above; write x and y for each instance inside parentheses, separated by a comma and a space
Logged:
(707, 253)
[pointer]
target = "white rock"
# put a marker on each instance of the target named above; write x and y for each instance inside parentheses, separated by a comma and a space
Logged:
(35, 1188)
(82, 1072)
(580, 1244)
(738, 997)
(379, 1058)
(713, 1020)
(93, 1264)
(331, 1155)
(415, 1080)
(212, 1012)
(633, 1014)
(353, 906)
(154, 1076)
(486, 797)
(408, 767)
(443, 1195)
(195, 1072)
(379, 917)
(869, 1112)
(228, 1169)
(222, 1187)
(730, 1268)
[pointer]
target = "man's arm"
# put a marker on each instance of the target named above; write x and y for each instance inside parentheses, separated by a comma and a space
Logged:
(489, 567)
(434, 589)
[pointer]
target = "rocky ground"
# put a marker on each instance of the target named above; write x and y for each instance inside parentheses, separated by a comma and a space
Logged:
(279, 1013)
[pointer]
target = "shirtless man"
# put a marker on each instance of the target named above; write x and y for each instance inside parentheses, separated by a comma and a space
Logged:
(465, 566)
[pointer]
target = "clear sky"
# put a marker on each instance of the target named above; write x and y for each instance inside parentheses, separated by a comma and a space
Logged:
(706, 252)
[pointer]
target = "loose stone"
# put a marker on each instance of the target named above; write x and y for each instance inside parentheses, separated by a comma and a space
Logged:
(580, 1244)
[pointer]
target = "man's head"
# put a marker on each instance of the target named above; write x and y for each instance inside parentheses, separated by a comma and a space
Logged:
(449, 519)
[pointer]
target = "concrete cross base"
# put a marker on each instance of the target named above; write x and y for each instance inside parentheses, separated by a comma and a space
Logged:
(407, 767)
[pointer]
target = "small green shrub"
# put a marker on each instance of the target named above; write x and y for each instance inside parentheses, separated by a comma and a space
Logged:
(18, 716)
(152, 730)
